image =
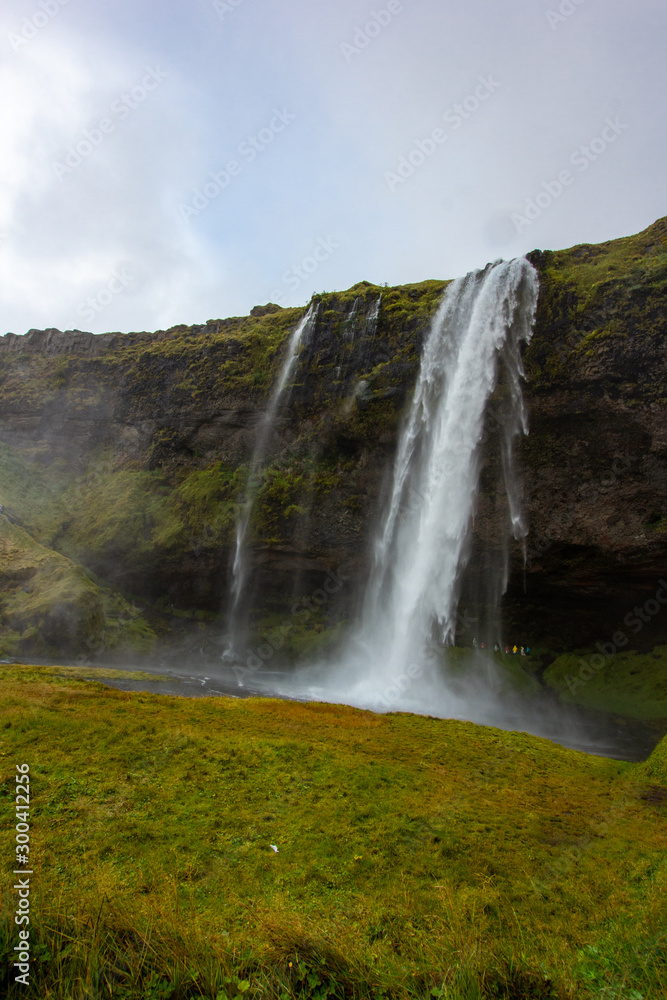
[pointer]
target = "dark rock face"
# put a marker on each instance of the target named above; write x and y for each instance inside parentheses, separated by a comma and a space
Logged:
(128, 453)
(596, 458)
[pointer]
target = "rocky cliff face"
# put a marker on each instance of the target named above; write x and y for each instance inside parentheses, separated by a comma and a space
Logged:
(126, 457)
(596, 457)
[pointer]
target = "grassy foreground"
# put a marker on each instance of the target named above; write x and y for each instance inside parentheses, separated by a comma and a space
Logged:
(416, 857)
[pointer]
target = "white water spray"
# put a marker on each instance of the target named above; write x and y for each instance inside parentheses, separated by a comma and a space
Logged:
(278, 398)
(423, 544)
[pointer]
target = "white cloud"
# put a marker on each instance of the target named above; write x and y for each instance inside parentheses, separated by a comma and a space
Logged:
(324, 176)
(97, 147)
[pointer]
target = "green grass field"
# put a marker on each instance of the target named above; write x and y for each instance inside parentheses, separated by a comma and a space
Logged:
(416, 857)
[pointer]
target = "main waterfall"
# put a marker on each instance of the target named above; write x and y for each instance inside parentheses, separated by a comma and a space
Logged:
(422, 546)
(395, 656)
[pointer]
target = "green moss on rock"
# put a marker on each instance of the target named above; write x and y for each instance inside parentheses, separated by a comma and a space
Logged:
(629, 683)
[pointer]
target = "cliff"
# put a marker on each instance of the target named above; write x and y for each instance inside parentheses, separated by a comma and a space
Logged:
(126, 455)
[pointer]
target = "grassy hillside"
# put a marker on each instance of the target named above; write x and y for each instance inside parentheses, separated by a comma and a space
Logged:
(416, 857)
(49, 605)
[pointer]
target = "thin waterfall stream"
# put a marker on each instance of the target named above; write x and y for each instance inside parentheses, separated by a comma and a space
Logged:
(241, 564)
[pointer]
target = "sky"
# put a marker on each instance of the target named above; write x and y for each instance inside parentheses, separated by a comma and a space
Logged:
(183, 160)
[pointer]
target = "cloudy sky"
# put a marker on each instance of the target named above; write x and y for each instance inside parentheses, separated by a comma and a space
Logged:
(175, 161)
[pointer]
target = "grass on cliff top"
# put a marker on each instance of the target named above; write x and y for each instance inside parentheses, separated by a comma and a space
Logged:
(416, 857)
(596, 302)
(642, 257)
(240, 355)
(422, 296)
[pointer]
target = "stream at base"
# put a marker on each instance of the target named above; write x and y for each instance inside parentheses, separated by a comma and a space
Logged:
(587, 730)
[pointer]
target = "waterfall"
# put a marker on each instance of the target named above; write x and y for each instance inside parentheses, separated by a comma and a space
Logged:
(349, 324)
(372, 318)
(422, 546)
(278, 398)
(423, 543)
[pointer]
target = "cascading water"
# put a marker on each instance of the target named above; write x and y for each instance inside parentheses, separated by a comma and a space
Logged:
(372, 318)
(350, 321)
(422, 547)
(257, 461)
(423, 544)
